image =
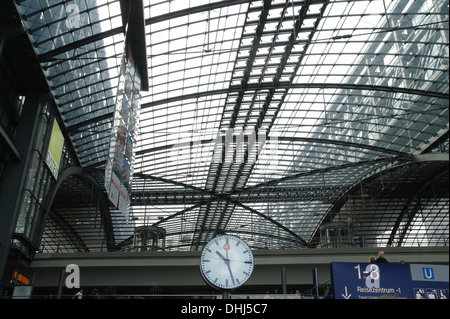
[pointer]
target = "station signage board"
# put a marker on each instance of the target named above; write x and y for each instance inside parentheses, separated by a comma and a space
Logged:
(376, 281)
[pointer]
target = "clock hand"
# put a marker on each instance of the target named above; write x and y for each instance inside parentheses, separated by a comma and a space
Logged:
(229, 269)
(227, 262)
(221, 256)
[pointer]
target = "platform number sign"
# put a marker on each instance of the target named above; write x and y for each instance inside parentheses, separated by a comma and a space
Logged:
(371, 274)
(374, 281)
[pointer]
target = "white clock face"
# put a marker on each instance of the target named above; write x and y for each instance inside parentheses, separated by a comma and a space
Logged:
(226, 262)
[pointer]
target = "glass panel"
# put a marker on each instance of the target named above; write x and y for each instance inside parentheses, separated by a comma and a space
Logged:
(257, 118)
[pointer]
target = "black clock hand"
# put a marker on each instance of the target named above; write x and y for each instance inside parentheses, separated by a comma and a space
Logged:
(229, 269)
(227, 262)
(221, 256)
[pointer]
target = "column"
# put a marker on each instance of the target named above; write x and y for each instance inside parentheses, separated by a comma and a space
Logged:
(16, 173)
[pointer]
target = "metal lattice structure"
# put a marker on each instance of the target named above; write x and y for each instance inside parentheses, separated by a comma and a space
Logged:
(264, 119)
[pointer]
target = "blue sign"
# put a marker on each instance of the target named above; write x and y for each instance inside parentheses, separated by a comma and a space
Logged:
(428, 273)
(375, 281)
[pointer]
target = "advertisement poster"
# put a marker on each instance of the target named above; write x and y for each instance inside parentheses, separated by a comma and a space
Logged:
(53, 159)
(119, 167)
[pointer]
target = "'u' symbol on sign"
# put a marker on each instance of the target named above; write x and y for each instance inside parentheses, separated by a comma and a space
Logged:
(428, 273)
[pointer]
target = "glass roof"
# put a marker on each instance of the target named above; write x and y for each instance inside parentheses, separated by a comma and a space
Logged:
(260, 115)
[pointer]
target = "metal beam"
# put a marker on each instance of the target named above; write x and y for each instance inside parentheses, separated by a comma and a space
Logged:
(11, 148)
(288, 85)
(50, 56)
(216, 169)
(134, 25)
(192, 197)
(287, 139)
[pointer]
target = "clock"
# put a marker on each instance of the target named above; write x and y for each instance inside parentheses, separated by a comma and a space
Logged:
(226, 262)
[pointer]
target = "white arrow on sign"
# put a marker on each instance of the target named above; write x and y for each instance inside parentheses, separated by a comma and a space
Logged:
(346, 296)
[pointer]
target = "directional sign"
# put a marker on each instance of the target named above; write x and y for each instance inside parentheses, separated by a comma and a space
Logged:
(374, 281)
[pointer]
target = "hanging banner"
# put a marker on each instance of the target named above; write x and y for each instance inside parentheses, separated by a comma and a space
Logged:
(55, 147)
(119, 167)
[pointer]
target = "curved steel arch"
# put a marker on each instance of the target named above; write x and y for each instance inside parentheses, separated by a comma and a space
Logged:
(75, 238)
(287, 85)
(389, 168)
(290, 139)
(406, 210)
(103, 204)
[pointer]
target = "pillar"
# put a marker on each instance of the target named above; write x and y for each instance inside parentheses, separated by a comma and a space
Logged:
(16, 173)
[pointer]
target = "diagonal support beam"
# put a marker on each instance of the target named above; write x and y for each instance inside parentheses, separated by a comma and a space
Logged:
(214, 198)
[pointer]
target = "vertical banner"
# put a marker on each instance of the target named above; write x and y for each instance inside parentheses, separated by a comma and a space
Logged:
(119, 166)
(55, 147)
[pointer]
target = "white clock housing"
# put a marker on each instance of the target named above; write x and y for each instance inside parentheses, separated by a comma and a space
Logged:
(226, 262)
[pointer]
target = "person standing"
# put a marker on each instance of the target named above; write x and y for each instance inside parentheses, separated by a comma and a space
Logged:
(381, 259)
(79, 295)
